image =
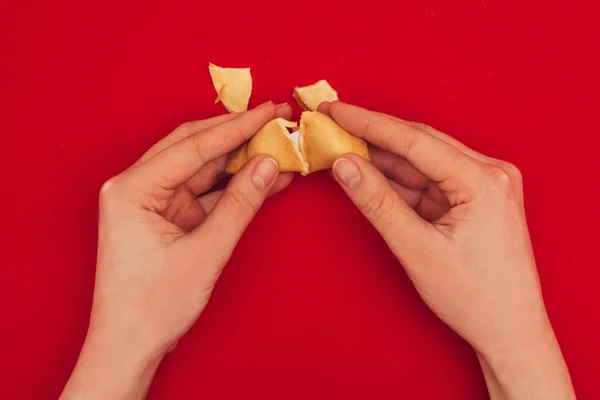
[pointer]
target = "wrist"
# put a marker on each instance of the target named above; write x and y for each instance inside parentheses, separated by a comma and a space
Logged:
(533, 369)
(110, 368)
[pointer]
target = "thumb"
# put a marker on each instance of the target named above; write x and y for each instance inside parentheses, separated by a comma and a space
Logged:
(398, 224)
(238, 204)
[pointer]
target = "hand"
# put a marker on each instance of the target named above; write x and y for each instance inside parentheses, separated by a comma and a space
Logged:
(161, 248)
(455, 219)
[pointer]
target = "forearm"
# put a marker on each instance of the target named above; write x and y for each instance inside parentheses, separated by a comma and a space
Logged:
(536, 371)
(108, 370)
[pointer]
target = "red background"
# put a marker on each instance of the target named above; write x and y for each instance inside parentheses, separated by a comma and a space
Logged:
(312, 304)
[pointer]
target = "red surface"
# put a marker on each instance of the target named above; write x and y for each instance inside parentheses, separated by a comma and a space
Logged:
(312, 305)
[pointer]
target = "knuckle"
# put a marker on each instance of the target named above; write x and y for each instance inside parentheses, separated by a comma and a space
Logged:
(111, 188)
(184, 130)
(500, 179)
(188, 126)
(240, 134)
(422, 126)
(408, 147)
(513, 172)
(379, 206)
(198, 145)
(367, 125)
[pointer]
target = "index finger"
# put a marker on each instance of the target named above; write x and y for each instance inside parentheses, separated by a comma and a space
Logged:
(179, 162)
(189, 128)
(436, 159)
(184, 130)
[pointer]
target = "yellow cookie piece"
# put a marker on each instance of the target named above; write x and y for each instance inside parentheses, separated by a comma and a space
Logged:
(322, 141)
(273, 140)
(313, 147)
(237, 159)
(233, 86)
(309, 97)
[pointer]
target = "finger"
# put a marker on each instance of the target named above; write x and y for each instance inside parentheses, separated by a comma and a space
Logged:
(398, 169)
(193, 210)
(436, 159)
(506, 166)
(510, 169)
(189, 128)
(209, 200)
(325, 108)
(283, 110)
(212, 172)
(432, 205)
(236, 207)
(410, 196)
(179, 162)
(207, 177)
(187, 213)
(404, 177)
(184, 130)
(448, 139)
(375, 197)
(429, 204)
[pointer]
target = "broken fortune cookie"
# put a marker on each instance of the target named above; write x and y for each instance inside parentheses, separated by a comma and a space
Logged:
(313, 147)
(272, 140)
(233, 86)
(322, 141)
(309, 97)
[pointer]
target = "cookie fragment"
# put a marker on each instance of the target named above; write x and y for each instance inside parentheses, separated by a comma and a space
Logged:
(233, 86)
(313, 147)
(309, 97)
(273, 140)
(322, 141)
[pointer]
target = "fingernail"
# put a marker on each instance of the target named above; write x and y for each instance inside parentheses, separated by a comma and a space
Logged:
(263, 105)
(280, 106)
(347, 172)
(264, 173)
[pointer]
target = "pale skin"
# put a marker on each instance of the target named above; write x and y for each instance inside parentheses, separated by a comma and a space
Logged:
(454, 219)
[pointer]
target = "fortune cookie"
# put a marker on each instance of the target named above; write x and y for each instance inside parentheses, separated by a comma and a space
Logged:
(313, 147)
(233, 86)
(309, 97)
(273, 140)
(322, 141)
